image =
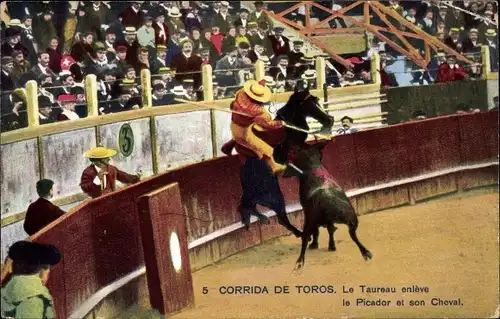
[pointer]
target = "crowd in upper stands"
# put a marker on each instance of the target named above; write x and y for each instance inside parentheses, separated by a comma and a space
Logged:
(58, 43)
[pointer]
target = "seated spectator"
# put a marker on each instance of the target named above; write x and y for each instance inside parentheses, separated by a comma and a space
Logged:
(173, 47)
(179, 93)
(160, 61)
(187, 64)
(83, 49)
(120, 62)
(492, 42)
(411, 15)
(472, 21)
(191, 94)
(241, 37)
(99, 63)
(8, 81)
(12, 37)
(349, 79)
(284, 79)
(454, 19)
(450, 71)
(192, 18)
(453, 41)
(217, 40)
(485, 25)
(42, 212)
(25, 295)
(165, 76)
(427, 23)
(441, 28)
(159, 97)
(279, 42)
(100, 177)
(229, 40)
(259, 16)
(308, 79)
(97, 19)
(131, 44)
(133, 15)
(270, 83)
(21, 64)
(45, 114)
(223, 20)
(472, 45)
(347, 126)
(67, 102)
(174, 22)
(142, 61)
(146, 33)
(54, 56)
(161, 29)
(295, 58)
(243, 50)
(226, 70)
(242, 19)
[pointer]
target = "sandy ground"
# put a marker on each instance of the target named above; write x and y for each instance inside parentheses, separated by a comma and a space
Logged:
(448, 245)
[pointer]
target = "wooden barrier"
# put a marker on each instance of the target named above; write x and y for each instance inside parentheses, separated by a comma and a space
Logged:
(102, 231)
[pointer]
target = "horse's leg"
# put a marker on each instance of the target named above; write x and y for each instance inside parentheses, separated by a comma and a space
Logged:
(352, 231)
(263, 218)
(309, 228)
(331, 242)
(315, 235)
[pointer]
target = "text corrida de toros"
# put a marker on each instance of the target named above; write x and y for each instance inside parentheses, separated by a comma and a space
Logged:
(256, 290)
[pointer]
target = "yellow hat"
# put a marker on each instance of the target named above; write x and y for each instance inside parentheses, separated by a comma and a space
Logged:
(164, 69)
(161, 47)
(455, 30)
(99, 152)
(257, 91)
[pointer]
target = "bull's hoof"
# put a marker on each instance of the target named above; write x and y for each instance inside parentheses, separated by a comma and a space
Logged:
(367, 255)
(332, 248)
(313, 246)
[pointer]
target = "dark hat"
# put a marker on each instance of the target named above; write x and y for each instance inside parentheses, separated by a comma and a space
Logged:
(159, 86)
(156, 14)
(148, 18)
(75, 90)
(244, 45)
(298, 42)
(112, 71)
(244, 10)
(16, 53)
(7, 60)
(34, 253)
(204, 50)
(279, 29)
(44, 101)
(110, 31)
(282, 57)
(12, 32)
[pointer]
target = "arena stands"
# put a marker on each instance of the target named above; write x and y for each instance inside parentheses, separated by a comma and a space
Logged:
(57, 44)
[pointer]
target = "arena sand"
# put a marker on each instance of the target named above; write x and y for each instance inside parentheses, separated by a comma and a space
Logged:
(449, 245)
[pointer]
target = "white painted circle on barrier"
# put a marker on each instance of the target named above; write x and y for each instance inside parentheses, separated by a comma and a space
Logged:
(175, 252)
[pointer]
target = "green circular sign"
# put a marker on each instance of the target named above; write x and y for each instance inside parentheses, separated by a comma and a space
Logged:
(126, 140)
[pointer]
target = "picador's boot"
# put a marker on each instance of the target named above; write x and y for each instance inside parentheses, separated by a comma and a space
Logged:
(245, 214)
(275, 167)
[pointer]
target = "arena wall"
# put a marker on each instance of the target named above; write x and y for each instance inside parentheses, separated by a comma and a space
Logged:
(101, 240)
(55, 151)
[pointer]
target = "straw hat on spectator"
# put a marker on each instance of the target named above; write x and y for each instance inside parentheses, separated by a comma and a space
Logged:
(251, 24)
(130, 30)
(224, 3)
(188, 82)
(179, 91)
(265, 59)
(491, 33)
(269, 81)
(99, 152)
(257, 90)
(15, 23)
(309, 75)
(308, 57)
(161, 47)
(99, 46)
(473, 30)
(164, 70)
(174, 13)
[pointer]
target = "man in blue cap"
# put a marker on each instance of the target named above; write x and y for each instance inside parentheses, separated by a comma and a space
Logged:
(25, 294)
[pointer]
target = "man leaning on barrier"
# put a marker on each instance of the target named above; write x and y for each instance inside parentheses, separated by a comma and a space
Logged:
(100, 177)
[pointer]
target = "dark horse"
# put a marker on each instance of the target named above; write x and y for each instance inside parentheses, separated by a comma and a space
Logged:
(322, 199)
(299, 107)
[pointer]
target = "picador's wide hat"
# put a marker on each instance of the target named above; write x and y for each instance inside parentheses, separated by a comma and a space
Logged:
(257, 91)
(99, 152)
(32, 253)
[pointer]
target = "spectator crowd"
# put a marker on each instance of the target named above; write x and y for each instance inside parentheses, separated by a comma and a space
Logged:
(58, 43)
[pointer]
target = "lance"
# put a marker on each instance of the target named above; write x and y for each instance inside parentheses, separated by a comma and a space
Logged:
(298, 129)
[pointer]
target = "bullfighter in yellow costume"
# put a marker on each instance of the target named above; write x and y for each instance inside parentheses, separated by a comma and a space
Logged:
(255, 134)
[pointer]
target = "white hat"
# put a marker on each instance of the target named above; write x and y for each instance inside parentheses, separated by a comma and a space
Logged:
(178, 90)
(309, 75)
(130, 30)
(224, 3)
(269, 81)
(174, 13)
(14, 23)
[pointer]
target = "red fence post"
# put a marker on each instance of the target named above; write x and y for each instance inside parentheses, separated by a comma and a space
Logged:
(164, 240)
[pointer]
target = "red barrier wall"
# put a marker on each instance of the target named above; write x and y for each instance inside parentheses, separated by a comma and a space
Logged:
(101, 242)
